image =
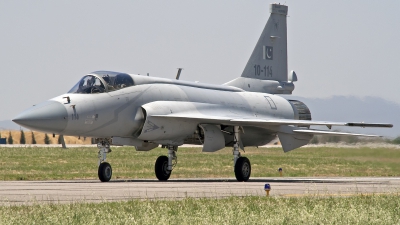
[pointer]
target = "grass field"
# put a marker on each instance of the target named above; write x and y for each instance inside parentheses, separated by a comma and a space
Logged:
(36, 163)
(383, 209)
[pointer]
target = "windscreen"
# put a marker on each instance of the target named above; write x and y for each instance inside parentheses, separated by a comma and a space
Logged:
(102, 81)
(89, 84)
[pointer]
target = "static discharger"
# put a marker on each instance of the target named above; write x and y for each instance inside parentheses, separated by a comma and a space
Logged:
(267, 188)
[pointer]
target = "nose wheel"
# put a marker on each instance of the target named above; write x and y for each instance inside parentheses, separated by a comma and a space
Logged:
(164, 165)
(161, 168)
(105, 172)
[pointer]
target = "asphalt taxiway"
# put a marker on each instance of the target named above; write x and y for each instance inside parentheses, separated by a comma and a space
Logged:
(67, 191)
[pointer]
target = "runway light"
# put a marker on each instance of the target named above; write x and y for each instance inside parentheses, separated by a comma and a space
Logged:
(267, 188)
(280, 171)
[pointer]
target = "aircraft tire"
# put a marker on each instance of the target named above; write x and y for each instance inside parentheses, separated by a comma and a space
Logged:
(242, 169)
(105, 172)
(161, 168)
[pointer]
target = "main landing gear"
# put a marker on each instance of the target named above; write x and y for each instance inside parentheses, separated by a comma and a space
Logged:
(164, 165)
(241, 165)
(105, 170)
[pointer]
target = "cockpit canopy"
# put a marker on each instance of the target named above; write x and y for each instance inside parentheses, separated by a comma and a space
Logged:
(102, 81)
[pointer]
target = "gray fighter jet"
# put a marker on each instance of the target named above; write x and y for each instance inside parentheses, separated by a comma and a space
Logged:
(146, 112)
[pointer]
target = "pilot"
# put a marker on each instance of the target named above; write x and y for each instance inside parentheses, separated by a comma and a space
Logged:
(81, 83)
(91, 82)
(108, 80)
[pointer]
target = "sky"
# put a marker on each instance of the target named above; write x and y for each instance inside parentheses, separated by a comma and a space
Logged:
(347, 48)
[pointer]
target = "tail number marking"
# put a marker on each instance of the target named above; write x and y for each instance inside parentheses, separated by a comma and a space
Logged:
(266, 71)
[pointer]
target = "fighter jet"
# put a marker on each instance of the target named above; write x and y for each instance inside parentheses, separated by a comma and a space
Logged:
(133, 110)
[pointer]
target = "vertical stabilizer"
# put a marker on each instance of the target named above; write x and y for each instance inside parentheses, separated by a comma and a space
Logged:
(269, 58)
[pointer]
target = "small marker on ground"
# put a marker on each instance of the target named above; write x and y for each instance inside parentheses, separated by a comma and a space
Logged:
(267, 188)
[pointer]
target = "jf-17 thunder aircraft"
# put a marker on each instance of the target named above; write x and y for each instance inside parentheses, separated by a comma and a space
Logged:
(145, 112)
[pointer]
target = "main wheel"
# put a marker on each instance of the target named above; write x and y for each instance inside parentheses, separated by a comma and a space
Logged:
(242, 169)
(161, 168)
(105, 172)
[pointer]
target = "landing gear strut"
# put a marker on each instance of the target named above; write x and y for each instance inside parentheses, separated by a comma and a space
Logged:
(241, 165)
(105, 170)
(164, 165)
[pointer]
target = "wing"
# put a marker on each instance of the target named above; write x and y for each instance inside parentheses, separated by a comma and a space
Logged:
(292, 133)
(268, 123)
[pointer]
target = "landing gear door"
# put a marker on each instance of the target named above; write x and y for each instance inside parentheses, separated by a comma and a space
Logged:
(213, 137)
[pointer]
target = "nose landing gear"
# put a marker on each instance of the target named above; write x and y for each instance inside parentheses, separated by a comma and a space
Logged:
(164, 165)
(105, 170)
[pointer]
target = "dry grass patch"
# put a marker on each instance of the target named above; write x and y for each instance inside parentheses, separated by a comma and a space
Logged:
(39, 137)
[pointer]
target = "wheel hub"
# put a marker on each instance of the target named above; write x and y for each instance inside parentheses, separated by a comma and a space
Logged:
(245, 169)
(107, 172)
(165, 168)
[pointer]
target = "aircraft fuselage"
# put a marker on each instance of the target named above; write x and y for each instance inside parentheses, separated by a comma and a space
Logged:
(113, 114)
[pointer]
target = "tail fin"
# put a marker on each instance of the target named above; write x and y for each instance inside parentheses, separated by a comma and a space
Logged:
(266, 71)
(269, 58)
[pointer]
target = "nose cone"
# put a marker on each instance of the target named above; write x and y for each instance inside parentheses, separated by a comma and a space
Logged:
(48, 116)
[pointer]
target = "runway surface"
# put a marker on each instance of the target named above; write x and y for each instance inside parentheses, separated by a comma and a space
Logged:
(31, 192)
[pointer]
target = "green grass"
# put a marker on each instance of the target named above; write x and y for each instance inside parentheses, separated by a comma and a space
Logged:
(35, 163)
(55, 163)
(375, 209)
